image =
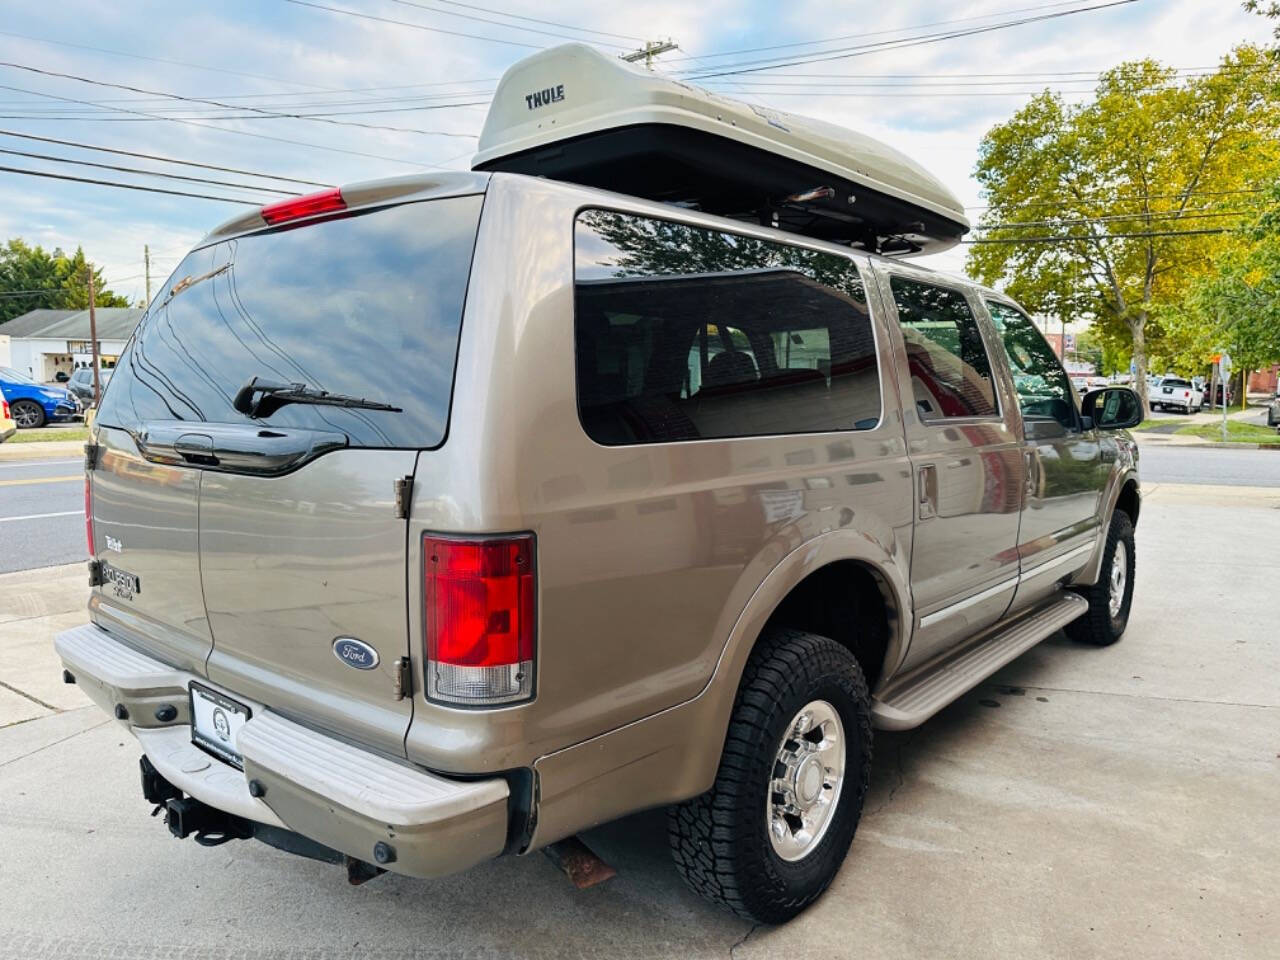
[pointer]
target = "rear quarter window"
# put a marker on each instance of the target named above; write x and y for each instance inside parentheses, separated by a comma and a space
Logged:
(688, 333)
(367, 305)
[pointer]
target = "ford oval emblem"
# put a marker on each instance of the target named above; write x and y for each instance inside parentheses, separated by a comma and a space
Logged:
(355, 653)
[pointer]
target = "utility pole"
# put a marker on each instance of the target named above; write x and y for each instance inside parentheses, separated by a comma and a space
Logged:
(146, 262)
(650, 50)
(93, 341)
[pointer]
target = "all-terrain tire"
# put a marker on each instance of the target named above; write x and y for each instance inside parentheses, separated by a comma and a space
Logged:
(720, 840)
(1098, 626)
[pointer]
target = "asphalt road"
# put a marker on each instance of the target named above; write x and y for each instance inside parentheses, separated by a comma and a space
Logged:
(1205, 465)
(41, 513)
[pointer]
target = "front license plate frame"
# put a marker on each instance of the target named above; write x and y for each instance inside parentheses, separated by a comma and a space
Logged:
(215, 721)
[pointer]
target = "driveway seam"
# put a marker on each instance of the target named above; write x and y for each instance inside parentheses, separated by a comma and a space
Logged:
(23, 693)
(1141, 696)
(70, 736)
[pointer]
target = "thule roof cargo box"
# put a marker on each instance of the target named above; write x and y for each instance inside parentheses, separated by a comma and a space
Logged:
(573, 113)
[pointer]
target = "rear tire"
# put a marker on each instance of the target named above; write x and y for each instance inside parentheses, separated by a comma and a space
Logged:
(27, 414)
(737, 844)
(1111, 597)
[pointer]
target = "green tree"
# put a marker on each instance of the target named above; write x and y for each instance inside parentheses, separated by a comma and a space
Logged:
(1267, 8)
(1133, 187)
(1237, 307)
(32, 278)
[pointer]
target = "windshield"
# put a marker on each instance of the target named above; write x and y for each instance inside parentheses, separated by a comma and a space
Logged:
(365, 305)
(8, 373)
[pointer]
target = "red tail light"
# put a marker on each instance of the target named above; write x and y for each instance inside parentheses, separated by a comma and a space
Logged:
(88, 515)
(479, 619)
(295, 208)
(4, 409)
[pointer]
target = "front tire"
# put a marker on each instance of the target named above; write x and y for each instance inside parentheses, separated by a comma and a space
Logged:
(769, 836)
(27, 414)
(1112, 596)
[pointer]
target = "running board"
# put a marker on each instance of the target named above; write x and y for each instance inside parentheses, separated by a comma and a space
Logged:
(912, 699)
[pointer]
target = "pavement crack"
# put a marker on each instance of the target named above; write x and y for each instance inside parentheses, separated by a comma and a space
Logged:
(901, 772)
(744, 938)
(23, 693)
(1141, 696)
(70, 736)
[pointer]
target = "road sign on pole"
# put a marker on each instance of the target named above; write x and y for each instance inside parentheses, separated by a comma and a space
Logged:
(1224, 370)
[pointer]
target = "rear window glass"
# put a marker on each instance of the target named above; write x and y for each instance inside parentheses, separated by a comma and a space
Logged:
(686, 333)
(1174, 382)
(367, 305)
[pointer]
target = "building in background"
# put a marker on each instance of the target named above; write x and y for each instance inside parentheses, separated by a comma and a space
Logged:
(44, 343)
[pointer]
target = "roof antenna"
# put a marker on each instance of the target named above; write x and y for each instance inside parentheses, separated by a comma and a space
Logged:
(650, 50)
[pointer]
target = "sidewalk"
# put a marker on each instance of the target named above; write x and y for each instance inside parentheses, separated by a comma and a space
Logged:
(41, 450)
(35, 605)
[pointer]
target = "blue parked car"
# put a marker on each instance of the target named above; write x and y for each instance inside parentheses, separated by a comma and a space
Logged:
(33, 404)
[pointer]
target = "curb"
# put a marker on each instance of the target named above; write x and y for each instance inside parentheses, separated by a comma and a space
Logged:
(1211, 445)
(40, 449)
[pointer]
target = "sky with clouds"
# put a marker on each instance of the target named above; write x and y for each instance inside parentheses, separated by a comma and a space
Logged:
(277, 54)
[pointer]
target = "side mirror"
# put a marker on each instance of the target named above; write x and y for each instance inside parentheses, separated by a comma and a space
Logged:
(1112, 408)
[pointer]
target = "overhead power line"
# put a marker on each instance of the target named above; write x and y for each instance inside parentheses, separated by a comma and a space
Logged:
(1112, 218)
(292, 141)
(218, 103)
(123, 186)
(416, 26)
(509, 26)
(516, 16)
(874, 33)
(1104, 236)
(1118, 198)
(160, 159)
(775, 63)
(148, 173)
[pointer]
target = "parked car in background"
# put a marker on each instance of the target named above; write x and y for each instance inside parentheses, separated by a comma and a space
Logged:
(1273, 410)
(1177, 394)
(34, 404)
(1218, 396)
(81, 384)
(7, 426)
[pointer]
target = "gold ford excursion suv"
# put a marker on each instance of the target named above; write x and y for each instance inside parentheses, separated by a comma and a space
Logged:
(439, 519)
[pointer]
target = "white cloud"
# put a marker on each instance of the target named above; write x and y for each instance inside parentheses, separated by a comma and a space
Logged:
(323, 50)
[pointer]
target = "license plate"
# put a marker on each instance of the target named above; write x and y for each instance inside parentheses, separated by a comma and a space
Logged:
(215, 722)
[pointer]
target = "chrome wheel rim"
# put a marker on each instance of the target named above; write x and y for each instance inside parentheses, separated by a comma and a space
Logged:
(1119, 577)
(26, 415)
(805, 784)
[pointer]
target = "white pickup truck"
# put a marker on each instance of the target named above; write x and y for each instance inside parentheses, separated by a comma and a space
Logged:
(1177, 393)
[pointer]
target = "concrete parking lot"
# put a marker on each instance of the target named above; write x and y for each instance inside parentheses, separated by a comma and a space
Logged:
(1122, 802)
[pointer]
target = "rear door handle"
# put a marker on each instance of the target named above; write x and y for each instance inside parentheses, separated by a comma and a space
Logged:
(236, 448)
(927, 493)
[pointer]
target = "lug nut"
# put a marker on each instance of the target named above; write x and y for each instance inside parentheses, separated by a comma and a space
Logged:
(257, 788)
(166, 712)
(384, 852)
(68, 676)
(122, 712)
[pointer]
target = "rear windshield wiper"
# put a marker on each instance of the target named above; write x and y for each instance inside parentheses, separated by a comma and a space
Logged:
(261, 398)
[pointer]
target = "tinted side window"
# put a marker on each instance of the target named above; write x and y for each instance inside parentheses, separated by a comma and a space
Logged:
(684, 333)
(1044, 392)
(368, 305)
(950, 370)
